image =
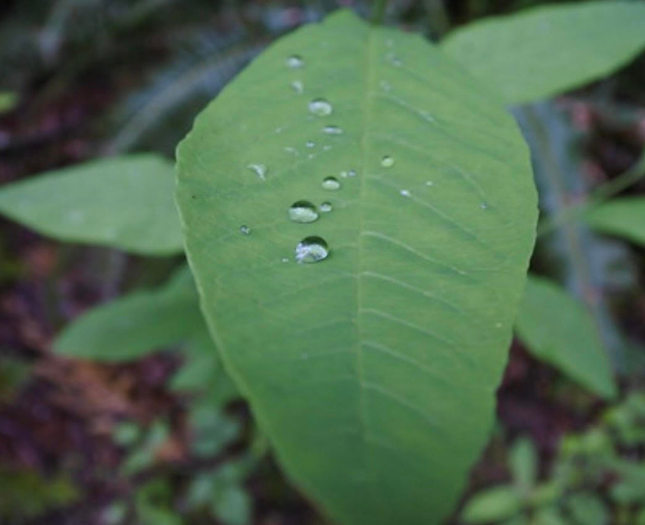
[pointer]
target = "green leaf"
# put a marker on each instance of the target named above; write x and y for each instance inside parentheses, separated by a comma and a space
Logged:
(588, 509)
(524, 463)
(497, 503)
(136, 324)
(547, 50)
(558, 330)
(232, 506)
(624, 217)
(372, 372)
(8, 101)
(123, 202)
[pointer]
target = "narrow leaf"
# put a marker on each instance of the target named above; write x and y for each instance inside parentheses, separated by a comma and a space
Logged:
(373, 370)
(559, 330)
(547, 50)
(135, 324)
(623, 217)
(123, 202)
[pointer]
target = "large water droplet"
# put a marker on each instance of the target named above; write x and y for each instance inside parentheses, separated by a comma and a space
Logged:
(331, 183)
(245, 230)
(333, 130)
(320, 107)
(259, 169)
(311, 249)
(387, 161)
(295, 62)
(298, 86)
(303, 211)
(325, 207)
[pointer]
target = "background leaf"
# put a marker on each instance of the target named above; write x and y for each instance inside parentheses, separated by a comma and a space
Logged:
(123, 202)
(559, 330)
(136, 323)
(624, 217)
(387, 355)
(494, 504)
(547, 50)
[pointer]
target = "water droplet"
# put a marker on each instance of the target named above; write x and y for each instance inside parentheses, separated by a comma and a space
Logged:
(310, 144)
(429, 183)
(259, 169)
(385, 86)
(326, 147)
(405, 193)
(387, 161)
(331, 183)
(320, 107)
(325, 207)
(351, 173)
(310, 156)
(279, 130)
(303, 211)
(344, 174)
(289, 149)
(245, 230)
(333, 130)
(285, 260)
(295, 62)
(311, 249)
(394, 60)
(298, 86)
(483, 206)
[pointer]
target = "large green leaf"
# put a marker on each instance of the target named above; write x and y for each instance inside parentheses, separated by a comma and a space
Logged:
(547, 50)
(623, 217)
(373, 371)
(559, 330)
(134, 325)
(124, 202)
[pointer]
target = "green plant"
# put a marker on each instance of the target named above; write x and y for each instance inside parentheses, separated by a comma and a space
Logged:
(379, 158)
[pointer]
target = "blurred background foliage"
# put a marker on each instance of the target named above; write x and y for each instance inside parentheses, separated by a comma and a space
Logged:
(151, 430)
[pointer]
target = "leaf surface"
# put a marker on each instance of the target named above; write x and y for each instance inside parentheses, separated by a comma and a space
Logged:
(624, 217)
(559, 330)
(372, 371)
(547, 50)
(122, 202)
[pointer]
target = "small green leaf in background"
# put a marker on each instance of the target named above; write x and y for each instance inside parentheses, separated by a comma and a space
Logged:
(212, 430)
(123, 202)
(524, 463)
(550, 516)
(587, 509)
(497, 503)
(135, 324)
(8, 101)
(558, 330)
(373, 371)
(547, 50)
(624, 217)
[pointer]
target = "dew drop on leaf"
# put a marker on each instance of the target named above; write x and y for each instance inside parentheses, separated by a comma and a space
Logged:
(303, 211)
(405, 193)
(311, 249)
(429, 183)
(332, 130)
(298, 86)
(387, 161)
(259, 169)
(245, 230)
(351, 173)
(310, 144)
(331, 183)
(295, 62)
(483, 206)
(325, 207)
(320, 107)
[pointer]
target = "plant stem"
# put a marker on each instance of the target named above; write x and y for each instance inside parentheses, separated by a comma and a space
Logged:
(378, 12)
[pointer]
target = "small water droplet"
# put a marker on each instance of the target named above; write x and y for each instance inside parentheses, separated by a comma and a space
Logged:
(279, 130)
(285, 260)
(387, 161)
(303, 211)
(344, 174)
(333, 130)
(245, 230)
(295, 62)
(325, 207)
(259, 169)
(298, 86)
(385, 86)
(320, 107)
(331, 183)
(310, 144)
(289, 149)
(311, 249)
(351, 173)
(405, 193)
(394, 60)
(429, 183)
(483, 206)
(326, 147)
(310, 156)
